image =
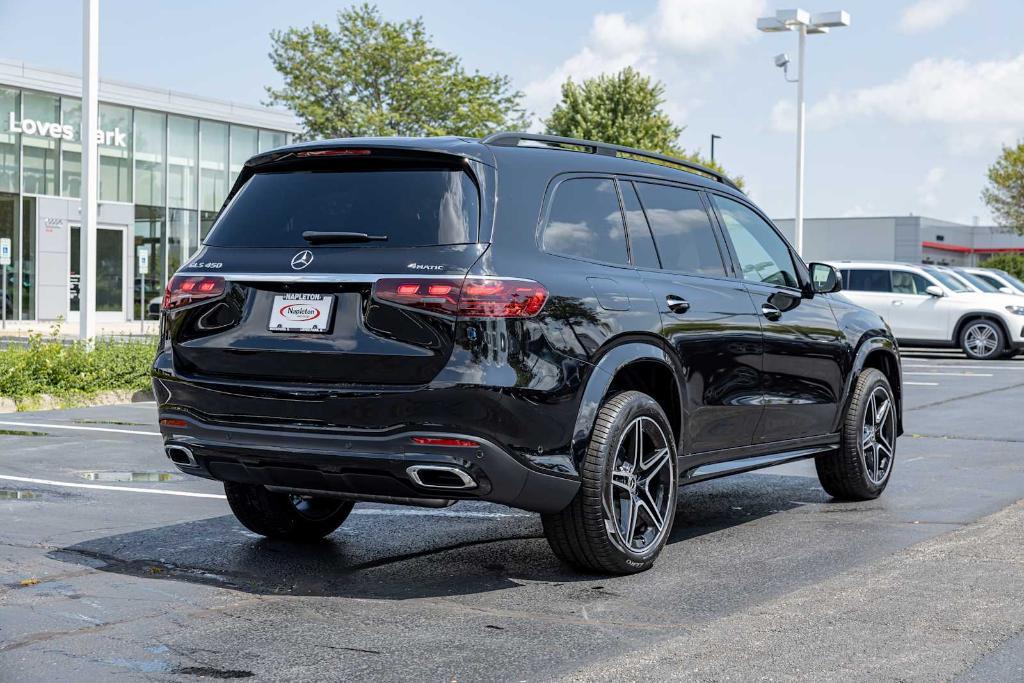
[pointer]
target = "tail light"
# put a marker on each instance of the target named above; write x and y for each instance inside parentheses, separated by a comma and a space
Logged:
(183, 290)
(470, 298)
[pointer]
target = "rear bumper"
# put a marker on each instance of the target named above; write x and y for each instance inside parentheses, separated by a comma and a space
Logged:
(367, 466)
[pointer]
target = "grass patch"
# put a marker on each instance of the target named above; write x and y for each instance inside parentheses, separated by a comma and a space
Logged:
(73, 373)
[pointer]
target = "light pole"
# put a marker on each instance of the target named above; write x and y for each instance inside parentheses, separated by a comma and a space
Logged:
(804, 23)
(90, 123)
(713, 138)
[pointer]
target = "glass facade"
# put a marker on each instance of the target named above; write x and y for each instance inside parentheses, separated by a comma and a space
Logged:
(176, 170)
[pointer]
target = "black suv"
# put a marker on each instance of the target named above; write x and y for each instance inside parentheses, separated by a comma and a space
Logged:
(557, 325)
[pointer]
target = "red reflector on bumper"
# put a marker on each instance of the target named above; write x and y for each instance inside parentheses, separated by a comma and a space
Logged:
(438, 441)
(169, 422)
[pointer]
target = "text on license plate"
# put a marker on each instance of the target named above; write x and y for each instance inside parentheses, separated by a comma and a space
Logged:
(301, 313)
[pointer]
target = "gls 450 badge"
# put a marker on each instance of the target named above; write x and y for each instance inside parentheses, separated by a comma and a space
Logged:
(211, 265)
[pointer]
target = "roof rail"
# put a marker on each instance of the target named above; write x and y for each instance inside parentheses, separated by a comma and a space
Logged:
(606, 149)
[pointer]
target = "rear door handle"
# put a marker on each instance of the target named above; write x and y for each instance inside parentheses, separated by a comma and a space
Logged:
(770, 312)
(897, 302)
(677, 304)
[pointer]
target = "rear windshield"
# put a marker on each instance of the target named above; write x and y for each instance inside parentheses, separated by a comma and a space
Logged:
(415, 207)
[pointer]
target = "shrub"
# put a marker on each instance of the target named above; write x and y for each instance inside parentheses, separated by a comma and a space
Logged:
(1011, 263)
(69, 370)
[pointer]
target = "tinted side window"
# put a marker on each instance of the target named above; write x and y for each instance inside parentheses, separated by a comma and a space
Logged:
(641, 244)
(682, 230)
(904, 282)
(869, 281)
(585, 221)
(763, 255)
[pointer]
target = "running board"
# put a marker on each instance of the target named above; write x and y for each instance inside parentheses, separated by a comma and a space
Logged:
(721, 469)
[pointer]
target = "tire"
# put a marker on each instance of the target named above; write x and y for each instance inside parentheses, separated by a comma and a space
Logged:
(862, 467)
(618, 487)
(284, 516)
(983, 339)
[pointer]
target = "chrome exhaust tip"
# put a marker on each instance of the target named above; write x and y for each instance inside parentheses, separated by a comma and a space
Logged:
(440, 477)
(181, 456)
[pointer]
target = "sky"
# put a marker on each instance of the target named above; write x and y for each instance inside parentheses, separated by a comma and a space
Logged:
(907, 107)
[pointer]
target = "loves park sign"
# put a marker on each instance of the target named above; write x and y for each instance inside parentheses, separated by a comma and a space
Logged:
(57, 131)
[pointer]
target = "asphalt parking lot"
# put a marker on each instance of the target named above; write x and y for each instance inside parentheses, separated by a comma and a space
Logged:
(112, 565)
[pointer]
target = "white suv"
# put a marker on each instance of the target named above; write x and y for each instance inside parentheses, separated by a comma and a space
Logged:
(927, 306)
(1000, 279)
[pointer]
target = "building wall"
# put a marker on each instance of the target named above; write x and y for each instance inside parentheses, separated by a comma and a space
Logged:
(832, 239)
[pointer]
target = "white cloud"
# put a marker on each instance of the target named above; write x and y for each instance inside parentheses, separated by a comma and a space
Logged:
(678, 31)
(924, 15)
(927, 192)
(980, 103)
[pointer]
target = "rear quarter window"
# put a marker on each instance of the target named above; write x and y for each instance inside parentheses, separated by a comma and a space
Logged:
(412, 207)
(585, 221)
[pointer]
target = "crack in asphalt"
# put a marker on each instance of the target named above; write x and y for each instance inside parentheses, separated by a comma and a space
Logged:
(976, 394)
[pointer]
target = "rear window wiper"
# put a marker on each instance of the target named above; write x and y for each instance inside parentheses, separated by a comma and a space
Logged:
(319, 237)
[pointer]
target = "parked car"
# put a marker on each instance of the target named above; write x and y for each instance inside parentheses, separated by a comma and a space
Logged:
(1000, 279)
(556, 325)
(978, 284)
(931, 306)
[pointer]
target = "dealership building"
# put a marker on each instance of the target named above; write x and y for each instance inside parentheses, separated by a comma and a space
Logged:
(911, 239)
(166, 162)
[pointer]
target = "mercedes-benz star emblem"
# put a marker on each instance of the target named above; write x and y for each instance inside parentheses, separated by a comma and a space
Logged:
(302, 259)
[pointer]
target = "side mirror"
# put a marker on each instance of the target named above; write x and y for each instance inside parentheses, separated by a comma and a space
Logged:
(1006, 290)
(824, 278)
(934, 290)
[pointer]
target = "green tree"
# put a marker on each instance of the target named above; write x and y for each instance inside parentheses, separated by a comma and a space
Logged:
(1011, 263)
(621, 109)
(369, 76)
(1004, 193)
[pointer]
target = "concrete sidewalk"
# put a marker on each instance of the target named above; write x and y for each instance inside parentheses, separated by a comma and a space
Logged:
(23, 329)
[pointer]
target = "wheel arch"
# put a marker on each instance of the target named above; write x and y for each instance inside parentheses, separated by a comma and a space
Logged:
(980, 315)
(882, 354)
(638, 364)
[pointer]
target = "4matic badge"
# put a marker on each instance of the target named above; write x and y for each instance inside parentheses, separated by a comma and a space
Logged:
(421, 266)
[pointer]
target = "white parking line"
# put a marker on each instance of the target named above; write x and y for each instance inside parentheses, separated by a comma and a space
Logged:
(921, 384)
(952, 374)
(412, 512)
(42, 425)
(101, 487)
(964, 367)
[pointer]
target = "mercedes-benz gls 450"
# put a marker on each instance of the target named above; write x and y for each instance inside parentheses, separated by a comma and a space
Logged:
(556, 325)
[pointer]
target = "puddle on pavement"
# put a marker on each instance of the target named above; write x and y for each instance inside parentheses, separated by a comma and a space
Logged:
(110, 422)
(18, 432)
(10, 494)
(130, 476)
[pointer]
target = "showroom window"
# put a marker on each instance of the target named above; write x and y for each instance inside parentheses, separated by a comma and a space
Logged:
(269, 140)
(39, 150)
(115, 154)
(9, 176)
(182, 153)
(243, 145)
(71, 150)
(213, 164)
(150, 146)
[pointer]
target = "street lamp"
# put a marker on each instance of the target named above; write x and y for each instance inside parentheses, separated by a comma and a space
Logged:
(805, 24)
(713, 138)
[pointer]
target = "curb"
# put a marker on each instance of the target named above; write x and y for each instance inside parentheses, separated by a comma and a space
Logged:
(48, 402)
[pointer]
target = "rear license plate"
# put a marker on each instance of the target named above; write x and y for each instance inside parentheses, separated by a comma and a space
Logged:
(301, 313)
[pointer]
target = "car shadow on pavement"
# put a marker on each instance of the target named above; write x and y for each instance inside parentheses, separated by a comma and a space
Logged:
(378, 554)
